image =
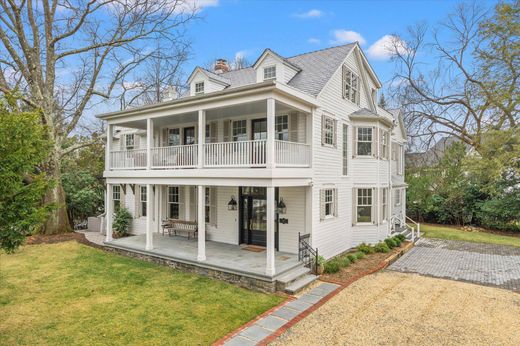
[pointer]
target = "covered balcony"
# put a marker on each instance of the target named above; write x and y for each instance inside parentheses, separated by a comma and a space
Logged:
(261, 134)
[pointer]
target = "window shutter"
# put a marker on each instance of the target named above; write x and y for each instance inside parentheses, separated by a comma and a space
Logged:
(122, 142)
(354, 206)
(374, 205)
(381, 205)
(213, 132)
(381, 153)
(227, 130)
(322, 129)
(335, 132)
(213, 204)
(335, 202)
(165, 137)
(137, 199)
(374, 142)
(137, 141)
(182, 205)
(293, 127)
(344, 80)
(354, 141)
(322, 204)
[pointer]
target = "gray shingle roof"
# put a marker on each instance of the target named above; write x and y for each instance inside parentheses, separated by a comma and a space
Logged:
(316, 69)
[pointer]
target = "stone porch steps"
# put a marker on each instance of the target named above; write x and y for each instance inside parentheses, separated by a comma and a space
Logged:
(300, 283)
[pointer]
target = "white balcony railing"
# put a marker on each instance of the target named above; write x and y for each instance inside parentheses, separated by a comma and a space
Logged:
(235, 154)
(123, 159)
(251, 153)
(178, 156)
(292, 154)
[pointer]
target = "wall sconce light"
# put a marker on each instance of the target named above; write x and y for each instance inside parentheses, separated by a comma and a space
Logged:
(282, 208)
(232, 204)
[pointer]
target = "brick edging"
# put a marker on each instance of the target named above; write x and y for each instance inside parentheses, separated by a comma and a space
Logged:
(382, 265)
(253, 321)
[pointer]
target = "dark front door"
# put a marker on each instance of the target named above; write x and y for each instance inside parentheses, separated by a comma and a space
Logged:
(189, 135)
(253, 216)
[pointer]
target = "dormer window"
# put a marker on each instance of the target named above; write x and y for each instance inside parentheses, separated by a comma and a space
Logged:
(269, 72)
(199, 88)
(350, 85)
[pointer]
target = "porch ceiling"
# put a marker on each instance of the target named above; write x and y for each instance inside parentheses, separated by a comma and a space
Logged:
(220, 256)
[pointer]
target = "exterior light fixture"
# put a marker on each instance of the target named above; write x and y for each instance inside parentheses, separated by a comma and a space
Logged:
(232, 204)
(282, 208)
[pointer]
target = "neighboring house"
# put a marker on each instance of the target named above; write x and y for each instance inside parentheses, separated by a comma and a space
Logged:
(433, 155)
(263, 156)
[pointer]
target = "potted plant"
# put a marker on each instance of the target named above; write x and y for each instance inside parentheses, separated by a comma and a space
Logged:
(320, 265)
(121, 224)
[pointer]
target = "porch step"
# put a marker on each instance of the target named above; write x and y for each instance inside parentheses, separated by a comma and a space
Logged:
(300, 284)
(293, 275)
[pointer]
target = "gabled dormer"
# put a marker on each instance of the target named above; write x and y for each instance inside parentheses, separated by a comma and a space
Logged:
(202, 81)
(272, 66)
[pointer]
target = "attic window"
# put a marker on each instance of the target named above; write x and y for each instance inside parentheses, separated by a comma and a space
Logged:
(199, 88)
(269, 72)
(350, 85)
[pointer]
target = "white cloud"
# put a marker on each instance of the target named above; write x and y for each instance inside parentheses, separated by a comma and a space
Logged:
(382, 48)
(346, 36)
(310, 14)
(314, 40)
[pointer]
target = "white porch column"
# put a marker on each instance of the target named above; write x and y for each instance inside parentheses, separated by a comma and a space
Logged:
(157, 208)
(149, 216)
(187, 203)
(201, 220)
(149, 143)
(109, 212)
(270, 265)
(270, 155)
(109, 146)
(201, 137)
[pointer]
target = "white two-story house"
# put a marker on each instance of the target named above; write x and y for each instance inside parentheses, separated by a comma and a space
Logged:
(288, 154)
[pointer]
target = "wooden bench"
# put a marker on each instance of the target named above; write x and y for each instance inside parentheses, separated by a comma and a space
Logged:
(175, 226)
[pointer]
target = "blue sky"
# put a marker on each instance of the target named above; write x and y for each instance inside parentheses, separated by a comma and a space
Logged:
(231, 27)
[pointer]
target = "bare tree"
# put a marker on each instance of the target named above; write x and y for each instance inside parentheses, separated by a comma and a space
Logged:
(460, 78)
(237, 63)
(66, 56)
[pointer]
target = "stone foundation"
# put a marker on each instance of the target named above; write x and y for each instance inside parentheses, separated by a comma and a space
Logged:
(237, 279)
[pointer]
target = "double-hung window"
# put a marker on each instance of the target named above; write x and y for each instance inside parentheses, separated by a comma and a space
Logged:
(173, 202)
(350, 85)
(282, 127)
(143, 196)
(328, 129)
(239, 130)
(174, 137)
(116, 196)
(364, 141)
(344, 149)
(270, 72)
(397, 197)
(199, 88)
(129, 141)
(207, 204)
(328, 201)
(384, 145)
(364, 205)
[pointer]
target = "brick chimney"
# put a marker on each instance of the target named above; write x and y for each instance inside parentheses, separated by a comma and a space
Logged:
(221, 66)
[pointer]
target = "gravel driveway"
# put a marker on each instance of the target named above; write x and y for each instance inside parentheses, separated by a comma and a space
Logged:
(485, 264)
(392, 308)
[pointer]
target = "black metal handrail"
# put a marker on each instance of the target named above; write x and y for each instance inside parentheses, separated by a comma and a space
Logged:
(306, 253)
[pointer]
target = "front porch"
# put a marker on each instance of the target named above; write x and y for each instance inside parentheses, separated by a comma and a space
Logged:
(222, 257)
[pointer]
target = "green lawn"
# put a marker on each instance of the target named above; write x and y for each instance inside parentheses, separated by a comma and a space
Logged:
(72, 294)
(454, 233)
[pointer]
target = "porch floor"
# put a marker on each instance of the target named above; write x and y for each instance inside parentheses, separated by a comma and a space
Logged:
(225, 257)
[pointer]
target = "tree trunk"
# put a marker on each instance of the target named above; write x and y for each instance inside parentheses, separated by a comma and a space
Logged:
(58, 219)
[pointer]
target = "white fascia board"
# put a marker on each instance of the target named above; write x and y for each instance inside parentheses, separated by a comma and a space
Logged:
(373, 119)
(277, 57)
(228, 181)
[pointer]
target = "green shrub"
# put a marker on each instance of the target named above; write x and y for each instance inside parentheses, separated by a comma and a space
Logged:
(359, 255)
(401, 237)
(352, 258)
(332, 266)
(397, 241)
(381, 247)
(390, 242)
(121, 224)
(365, 248)
(321, 260)
(344, 262)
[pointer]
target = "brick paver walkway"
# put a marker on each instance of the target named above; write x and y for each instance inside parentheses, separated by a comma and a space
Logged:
(486, 264)
(266, 326)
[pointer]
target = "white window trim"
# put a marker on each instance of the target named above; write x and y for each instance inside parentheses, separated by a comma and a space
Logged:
(178, 203)
(371, 205)
(334, 203)
(344, 151)
(197, 84)
(347, 70)
(384, 204)
(273, 67)
(325, 119)
(127, 137)
(371, 155)
(398, 197)
(141, 214)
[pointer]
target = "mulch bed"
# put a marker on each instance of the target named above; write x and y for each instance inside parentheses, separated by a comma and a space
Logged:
(59, 238)
(364, 265)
